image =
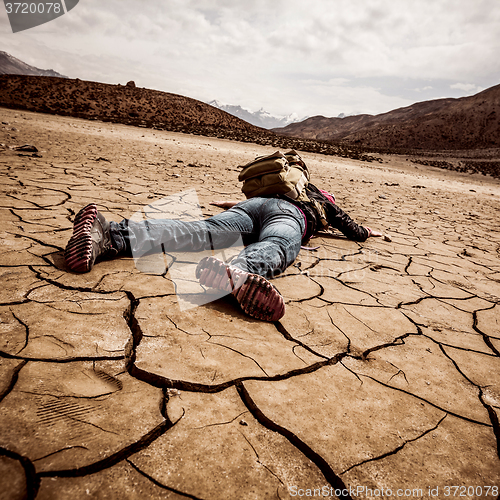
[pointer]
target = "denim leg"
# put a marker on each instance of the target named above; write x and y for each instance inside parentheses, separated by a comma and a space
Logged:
(281, 227)
(167, 235)
(271, 228)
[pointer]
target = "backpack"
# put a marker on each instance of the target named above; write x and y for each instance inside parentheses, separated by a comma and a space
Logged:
(276, 174)
(284, 175)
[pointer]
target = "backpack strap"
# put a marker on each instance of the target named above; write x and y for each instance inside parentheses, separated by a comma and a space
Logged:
(320, 211)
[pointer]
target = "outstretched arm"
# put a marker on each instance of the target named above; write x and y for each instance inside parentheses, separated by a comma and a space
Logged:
(224, 204)
(340, 220)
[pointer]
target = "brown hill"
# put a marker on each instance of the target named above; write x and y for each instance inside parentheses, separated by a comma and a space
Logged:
(132, 105)
(117, 103)
(443, 124)
(10, 65)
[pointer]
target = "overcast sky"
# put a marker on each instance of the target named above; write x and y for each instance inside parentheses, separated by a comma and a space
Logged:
(307, 57)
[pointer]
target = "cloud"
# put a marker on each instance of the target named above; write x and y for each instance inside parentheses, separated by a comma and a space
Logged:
(466, 87)
(285, 55)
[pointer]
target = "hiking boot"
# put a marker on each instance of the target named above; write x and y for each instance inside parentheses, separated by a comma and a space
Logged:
(91, 240)
(255, 295)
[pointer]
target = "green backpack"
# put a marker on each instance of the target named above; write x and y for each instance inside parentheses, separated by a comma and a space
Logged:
(284, 174)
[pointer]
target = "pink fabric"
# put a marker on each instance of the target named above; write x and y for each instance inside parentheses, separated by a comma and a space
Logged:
(328, 195)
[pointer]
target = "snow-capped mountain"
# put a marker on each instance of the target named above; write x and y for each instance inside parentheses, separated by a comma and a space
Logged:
(259, 118)
(10, 65)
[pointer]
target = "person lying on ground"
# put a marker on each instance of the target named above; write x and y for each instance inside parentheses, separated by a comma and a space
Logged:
(272, 230)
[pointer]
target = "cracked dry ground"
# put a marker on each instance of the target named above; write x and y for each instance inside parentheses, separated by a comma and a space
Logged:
(384, 372)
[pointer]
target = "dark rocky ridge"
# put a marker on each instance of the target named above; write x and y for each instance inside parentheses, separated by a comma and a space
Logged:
(143, 107)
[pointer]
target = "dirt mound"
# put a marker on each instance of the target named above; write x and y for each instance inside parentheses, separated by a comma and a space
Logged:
(126, 104)
(131, 105)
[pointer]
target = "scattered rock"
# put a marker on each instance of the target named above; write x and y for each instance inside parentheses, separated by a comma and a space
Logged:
(28, 148)
(131, 84)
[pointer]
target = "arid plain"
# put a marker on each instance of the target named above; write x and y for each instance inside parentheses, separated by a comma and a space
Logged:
(382, 379)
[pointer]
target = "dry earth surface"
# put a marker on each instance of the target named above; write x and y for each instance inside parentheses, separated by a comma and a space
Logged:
(383, 374)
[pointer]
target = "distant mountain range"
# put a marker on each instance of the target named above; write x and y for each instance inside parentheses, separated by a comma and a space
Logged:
(442, 124)
(9, 65)
(259, 118)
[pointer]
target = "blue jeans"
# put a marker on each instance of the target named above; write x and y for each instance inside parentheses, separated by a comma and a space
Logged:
(271, 230)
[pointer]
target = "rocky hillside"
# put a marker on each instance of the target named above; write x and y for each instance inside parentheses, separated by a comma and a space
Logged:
(132, 105)
(464, 123)
(9, 65)
(115, 103)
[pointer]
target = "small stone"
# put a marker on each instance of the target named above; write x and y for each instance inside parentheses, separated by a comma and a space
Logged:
(242, 422)
(387, 237)
(28, 148)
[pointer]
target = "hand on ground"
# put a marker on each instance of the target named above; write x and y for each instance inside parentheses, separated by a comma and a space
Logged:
(378, 234)
(224, 204)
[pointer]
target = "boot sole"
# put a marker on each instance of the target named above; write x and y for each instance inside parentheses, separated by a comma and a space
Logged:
(255, 295)
(78, 253)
